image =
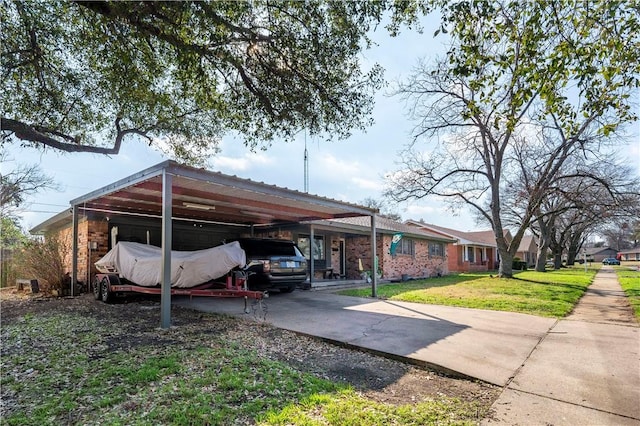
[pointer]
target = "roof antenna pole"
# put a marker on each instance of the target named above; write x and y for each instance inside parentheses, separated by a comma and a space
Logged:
(306, 164)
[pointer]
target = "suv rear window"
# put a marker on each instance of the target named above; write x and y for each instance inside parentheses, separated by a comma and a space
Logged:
(268, 248)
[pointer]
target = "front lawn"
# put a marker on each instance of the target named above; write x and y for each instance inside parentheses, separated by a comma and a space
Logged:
(81, 362)
(549, 294)
(630, 283)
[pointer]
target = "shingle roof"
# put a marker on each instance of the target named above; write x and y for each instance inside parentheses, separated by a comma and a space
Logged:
(597, 250)
(481, 238)
(383, 224)
(630, 251)
(525, 243)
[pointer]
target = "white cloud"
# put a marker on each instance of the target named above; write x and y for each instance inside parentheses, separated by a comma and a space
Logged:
(369, 184)
(337, 166)
(240, 164)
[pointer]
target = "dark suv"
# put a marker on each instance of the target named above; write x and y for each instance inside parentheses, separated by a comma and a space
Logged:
(274, 264)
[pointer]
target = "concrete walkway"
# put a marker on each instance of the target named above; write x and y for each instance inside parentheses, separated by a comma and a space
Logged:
(584, 369)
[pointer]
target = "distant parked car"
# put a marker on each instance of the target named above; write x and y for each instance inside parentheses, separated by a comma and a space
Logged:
(610, 261)
(274, 264)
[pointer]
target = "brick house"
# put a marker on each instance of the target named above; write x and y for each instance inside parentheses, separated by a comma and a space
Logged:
(419, 254)
(596, 254)
(342, 246)
(629, 254)
(472, 251)
(192, 208)
(528, 250)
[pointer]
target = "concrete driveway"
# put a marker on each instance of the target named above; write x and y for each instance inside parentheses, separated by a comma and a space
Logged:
(584, 369)
(487, 345)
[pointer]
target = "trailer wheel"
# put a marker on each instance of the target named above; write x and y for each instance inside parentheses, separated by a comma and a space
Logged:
(97, 288)
(105, 294)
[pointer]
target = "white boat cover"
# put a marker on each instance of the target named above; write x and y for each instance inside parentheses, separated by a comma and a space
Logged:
(141, 263)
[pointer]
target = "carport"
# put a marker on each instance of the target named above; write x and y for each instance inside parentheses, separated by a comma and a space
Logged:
(171, 191)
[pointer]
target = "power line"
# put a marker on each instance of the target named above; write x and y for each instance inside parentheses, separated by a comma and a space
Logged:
(51, 205)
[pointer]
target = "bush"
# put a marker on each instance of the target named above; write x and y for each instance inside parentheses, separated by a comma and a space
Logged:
(43, 260)
(519, 265)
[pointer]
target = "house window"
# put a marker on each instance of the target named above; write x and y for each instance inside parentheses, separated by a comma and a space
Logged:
(406, 246)
(436, 249)
(470, 254)
(318, 246)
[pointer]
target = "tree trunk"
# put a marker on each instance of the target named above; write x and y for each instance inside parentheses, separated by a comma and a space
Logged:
(576, 241)
(506, 264)
(572, 251)
(541, 261)
(557, 259)
(543, 245)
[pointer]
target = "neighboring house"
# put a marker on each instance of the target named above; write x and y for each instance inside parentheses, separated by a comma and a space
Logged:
(342, 245)
(631, 254)
(472, 251)
(596, 254)
(528, 250)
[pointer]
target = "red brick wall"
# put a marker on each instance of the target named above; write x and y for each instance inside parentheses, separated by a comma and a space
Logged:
(454, 258)
(393, 267)
(88, 230)
(420, 265)
(457, 264)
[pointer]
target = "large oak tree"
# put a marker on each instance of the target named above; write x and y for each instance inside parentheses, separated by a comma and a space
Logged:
(84, 76)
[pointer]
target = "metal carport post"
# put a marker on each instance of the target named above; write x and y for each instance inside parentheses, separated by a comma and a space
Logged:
(165, 278)
(74, 248)
(312, 262)
(374, 255)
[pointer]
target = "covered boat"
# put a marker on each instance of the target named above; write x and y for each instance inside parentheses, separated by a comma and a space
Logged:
(142, 264)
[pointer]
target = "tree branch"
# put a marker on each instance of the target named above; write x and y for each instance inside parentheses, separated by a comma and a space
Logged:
(24, 131)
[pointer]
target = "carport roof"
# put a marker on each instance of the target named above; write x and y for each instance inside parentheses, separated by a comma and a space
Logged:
(206, 196)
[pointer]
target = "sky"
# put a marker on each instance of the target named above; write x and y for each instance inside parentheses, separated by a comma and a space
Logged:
(349, 170)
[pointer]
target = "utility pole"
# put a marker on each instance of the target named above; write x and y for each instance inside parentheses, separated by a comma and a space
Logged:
(306, 164)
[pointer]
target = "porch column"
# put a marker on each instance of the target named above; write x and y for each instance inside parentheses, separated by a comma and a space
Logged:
(74, 249)
(312, 264)
(374, 269)
(165, 277)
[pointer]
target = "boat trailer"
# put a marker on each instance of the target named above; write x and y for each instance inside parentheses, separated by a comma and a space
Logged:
(108, 285)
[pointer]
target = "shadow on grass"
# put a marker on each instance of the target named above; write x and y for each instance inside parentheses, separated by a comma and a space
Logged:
(443, 281)
(398, 288)
(555, 284)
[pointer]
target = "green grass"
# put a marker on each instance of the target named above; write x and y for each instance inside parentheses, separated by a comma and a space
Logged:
(630, 283)
(66, 369)
(549, 294)
(349, 408)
